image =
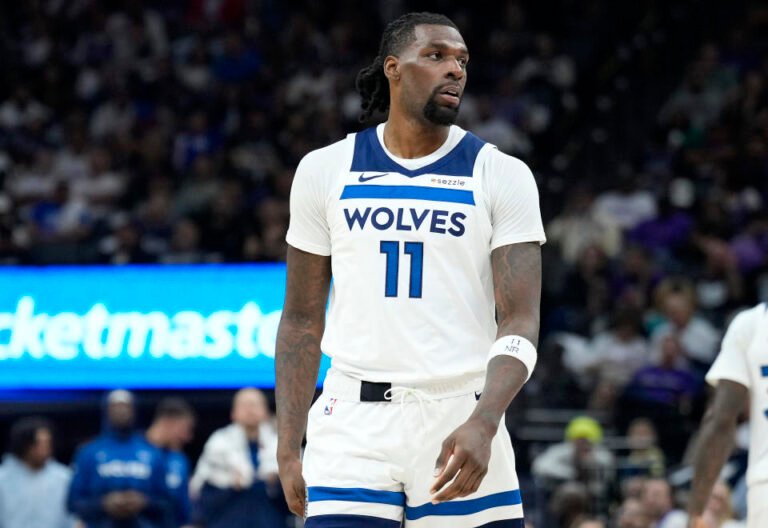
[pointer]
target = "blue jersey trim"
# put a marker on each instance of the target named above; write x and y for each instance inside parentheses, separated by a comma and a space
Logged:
(369, 156)
(764, 371)
(349, 521)
(411, 192)
(464, 507)
(323, 493)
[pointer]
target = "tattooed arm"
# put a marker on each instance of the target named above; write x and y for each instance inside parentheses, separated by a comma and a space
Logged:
(715, 442)
(517, 289)
(297, 361)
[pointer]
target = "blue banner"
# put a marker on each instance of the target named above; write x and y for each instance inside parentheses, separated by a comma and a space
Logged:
(140, 326)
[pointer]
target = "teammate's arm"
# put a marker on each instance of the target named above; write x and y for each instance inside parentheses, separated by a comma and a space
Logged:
(297, 361)
(715, 443)
(517, 290)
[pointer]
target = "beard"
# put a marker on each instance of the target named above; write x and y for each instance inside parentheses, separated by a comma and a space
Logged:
(438, 114)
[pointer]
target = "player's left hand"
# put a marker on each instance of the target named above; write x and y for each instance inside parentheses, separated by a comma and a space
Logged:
(464, 459)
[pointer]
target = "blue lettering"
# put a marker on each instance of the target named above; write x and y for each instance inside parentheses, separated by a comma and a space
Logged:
(385, 225)
(438, 221)
(400, 225)
(458, 228)
(356, 217)
(384, 218)
(418, 219)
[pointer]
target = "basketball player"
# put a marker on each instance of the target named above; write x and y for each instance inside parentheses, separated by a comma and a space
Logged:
(740, 374)
(431, 236)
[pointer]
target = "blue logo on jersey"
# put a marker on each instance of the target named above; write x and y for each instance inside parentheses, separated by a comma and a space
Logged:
(363, 178)
(402, 219)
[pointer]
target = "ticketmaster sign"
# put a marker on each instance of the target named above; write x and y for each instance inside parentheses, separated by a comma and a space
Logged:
(139, 326)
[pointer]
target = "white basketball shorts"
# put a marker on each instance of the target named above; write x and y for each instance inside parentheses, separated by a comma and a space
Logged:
(370, 463)
(757, 505)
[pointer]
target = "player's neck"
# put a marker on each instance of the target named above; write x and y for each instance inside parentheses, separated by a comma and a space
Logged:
(410, 138)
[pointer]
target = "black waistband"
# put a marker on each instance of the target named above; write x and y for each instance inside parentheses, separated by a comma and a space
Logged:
(373, 392)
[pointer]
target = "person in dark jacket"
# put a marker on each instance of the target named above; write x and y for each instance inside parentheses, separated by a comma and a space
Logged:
(119, 478)
(171, 430)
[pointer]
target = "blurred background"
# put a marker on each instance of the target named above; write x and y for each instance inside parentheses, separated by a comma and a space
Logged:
(165, 134)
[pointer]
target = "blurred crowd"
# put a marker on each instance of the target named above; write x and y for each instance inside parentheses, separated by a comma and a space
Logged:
(132, 478)
(643, 272)
(167, 132)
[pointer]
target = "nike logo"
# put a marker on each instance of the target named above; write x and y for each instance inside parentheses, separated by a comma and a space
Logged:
(363, 178)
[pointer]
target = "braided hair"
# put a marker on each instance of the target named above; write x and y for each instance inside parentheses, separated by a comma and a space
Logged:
(371, 83)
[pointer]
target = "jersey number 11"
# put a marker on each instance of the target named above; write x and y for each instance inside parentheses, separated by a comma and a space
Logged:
(391, 249)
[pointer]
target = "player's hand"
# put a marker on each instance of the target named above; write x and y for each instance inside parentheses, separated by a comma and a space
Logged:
(464, 459)
(293, 483)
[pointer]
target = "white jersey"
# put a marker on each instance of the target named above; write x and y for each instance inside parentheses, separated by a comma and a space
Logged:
(411, 240)
(743, 358)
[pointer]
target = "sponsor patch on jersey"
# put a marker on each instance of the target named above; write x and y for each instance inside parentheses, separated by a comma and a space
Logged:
(448, 182)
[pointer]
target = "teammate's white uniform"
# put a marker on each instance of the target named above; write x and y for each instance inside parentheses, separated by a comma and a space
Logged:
(743, 358)
(411, 305)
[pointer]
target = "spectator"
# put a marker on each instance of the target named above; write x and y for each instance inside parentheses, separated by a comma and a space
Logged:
(119, 479)
(124, 244)
(58, 228)
(697, 337)
(632, 487)
(692, 104)
(546, 66)
(199, 139)
(194, 72)
(171, 430)
(115, 117)
(580, 458)
(103, 187)
(71, 162)
(200, 188)
(570, 502)
(665, 234)
(238, 62)
(586, 295)
(237, 471)
(576, 229)
(185, 244)
(32, 181)
(645, 457)
(657, 502)
(666, 393)
(30, 478)
(21, 110)
(627, 206)
(493, 128)
(632, 514)
(620, 352)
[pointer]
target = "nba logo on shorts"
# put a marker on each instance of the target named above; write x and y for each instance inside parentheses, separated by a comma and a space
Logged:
(329, 407)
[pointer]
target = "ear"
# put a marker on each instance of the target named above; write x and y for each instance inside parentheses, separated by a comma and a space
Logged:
(392, 68)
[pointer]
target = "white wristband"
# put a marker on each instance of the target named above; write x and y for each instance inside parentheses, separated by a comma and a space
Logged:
(517, 347)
